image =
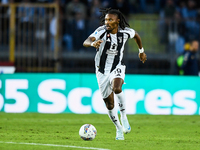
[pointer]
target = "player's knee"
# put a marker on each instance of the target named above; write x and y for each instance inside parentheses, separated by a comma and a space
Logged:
(109, 105)
(117, 90)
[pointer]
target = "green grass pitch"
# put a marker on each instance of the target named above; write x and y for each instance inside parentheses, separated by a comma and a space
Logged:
(148, 132)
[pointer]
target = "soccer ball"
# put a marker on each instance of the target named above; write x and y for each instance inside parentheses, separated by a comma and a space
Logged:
(87, 132)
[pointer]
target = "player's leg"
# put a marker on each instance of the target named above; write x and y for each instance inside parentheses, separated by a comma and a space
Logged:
(117, 89)
(112, 113)
(108, 97)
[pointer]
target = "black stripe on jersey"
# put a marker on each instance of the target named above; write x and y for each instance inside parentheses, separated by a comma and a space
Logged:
(102, 35)
(120, 41)
(104, 55)
(101, 38)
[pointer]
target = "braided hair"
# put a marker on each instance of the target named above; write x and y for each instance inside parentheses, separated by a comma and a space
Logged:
(122, 23)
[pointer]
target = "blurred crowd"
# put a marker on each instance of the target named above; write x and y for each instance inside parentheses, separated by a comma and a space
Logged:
(179, 23)
(179, 19)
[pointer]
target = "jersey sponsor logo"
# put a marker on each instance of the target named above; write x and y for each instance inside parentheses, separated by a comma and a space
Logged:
(111, 52)
(114, 47)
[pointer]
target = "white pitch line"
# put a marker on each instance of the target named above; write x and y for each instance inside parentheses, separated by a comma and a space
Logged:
(54, 145)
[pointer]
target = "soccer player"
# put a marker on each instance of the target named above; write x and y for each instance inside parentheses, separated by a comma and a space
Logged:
(109, 41)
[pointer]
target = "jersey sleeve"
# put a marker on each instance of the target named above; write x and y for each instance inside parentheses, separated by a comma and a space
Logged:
(98, 32)
(130, 32)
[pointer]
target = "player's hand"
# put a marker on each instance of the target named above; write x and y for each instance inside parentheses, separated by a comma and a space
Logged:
(143, 57)
(96, 44)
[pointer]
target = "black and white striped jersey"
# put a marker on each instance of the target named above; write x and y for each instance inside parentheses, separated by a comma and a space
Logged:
(110, 52)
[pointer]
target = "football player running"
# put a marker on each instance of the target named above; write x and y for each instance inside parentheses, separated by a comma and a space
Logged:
(109, 41)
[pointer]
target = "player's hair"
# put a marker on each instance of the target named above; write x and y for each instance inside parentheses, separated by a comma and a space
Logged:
(122, 23)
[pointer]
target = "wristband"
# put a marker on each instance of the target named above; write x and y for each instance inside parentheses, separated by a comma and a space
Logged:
(92, 44)
(141, 50)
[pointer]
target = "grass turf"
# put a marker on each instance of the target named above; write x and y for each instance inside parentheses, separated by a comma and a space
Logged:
(148, 132)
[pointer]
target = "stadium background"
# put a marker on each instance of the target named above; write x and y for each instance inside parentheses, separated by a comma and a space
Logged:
(53, 90)
(43, 41)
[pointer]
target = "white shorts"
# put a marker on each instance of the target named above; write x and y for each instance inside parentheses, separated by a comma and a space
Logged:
(105, 81)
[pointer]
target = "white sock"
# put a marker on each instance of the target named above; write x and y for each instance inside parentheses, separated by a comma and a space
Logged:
(122, 105)
(114, 118)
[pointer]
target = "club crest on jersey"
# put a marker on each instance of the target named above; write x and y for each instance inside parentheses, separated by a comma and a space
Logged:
(120, 39)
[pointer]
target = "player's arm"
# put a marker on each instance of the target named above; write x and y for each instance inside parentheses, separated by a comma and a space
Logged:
(142, 55)
(91, 41)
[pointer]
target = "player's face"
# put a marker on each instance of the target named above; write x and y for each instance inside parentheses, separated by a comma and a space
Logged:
(111, 22)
